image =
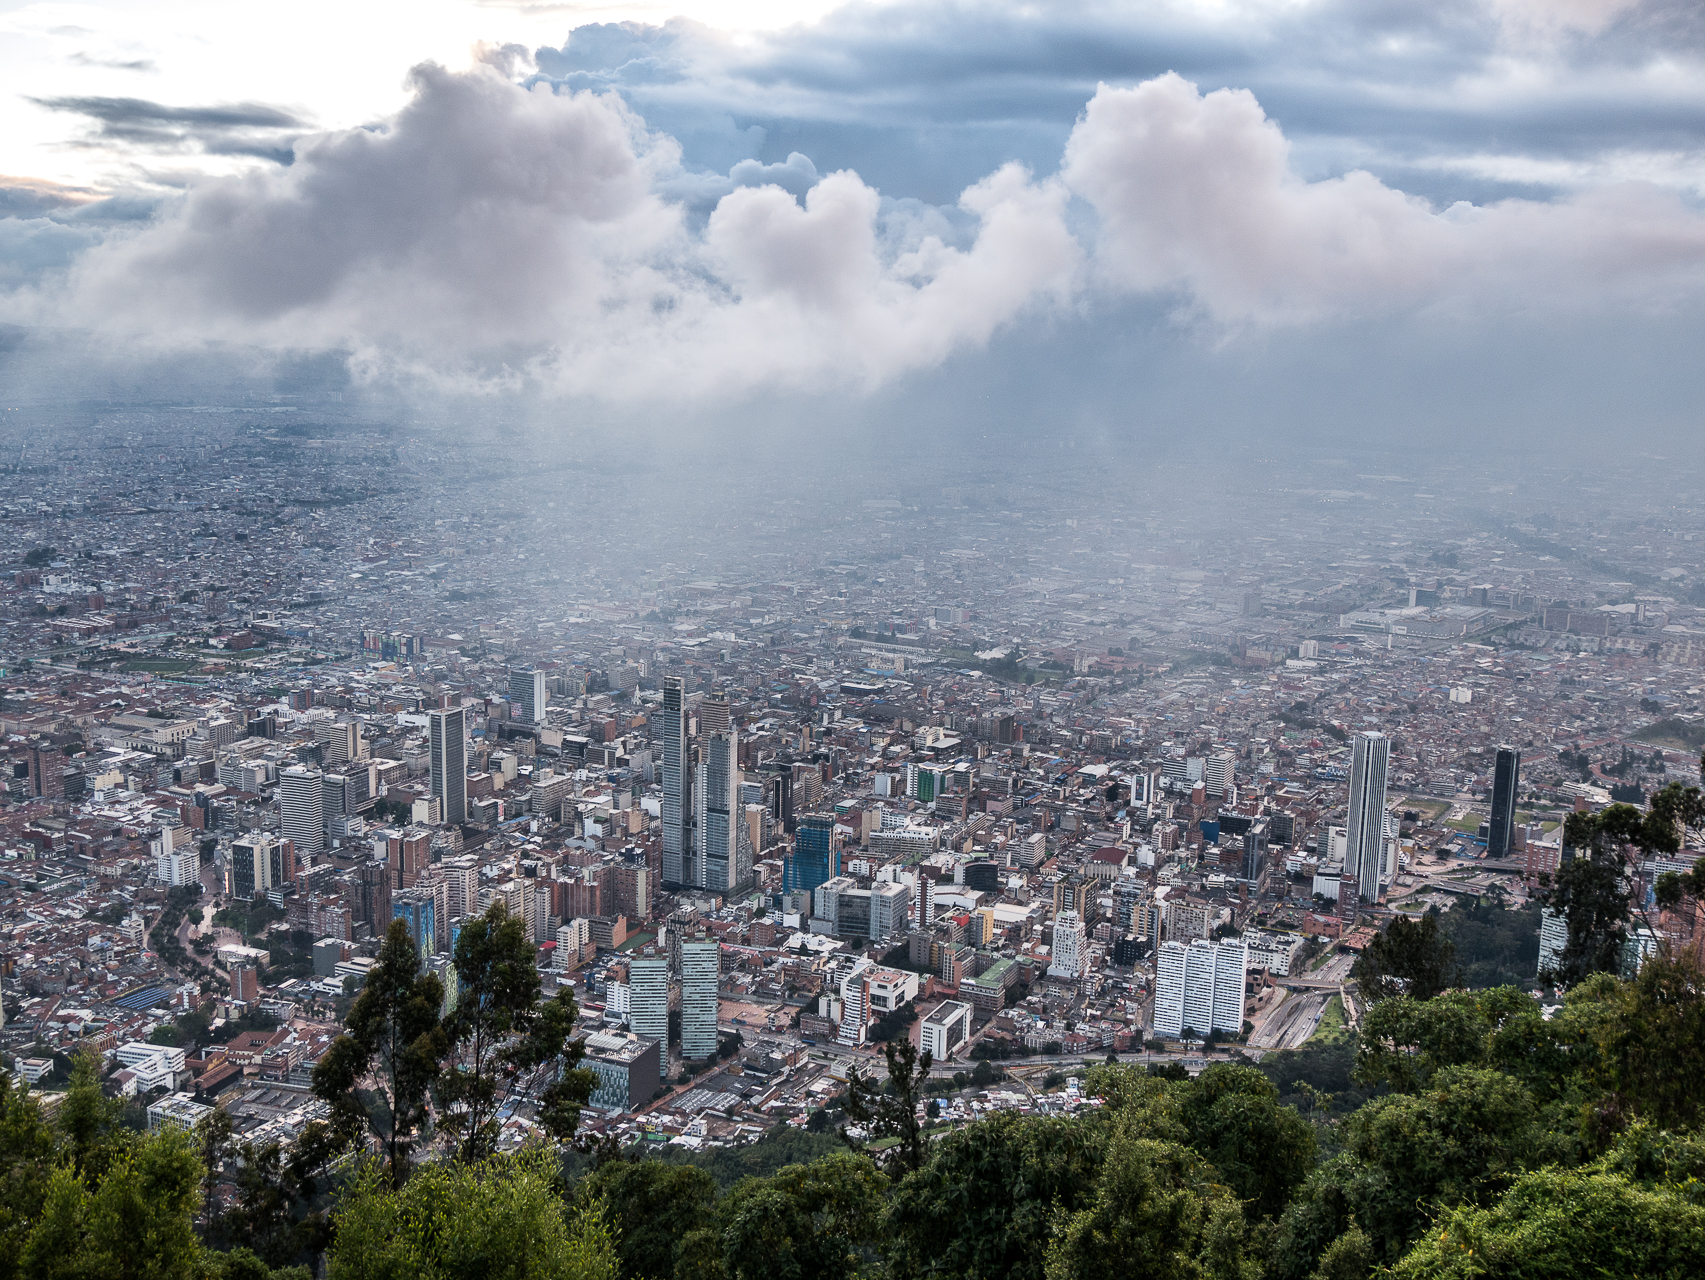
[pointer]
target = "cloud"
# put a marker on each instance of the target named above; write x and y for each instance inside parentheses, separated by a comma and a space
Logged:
(234, 129)
(114, 64)
(496, 235)
(491, 234)
(1196, 195)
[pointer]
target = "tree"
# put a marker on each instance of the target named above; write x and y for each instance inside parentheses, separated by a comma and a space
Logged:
(1558, 1222)
(1651, 1061)
(377, 1074)
(500, 1034)
(134, 1225)
(985, 1203)
(1593, 889)
(1262, 1150)
(807, 1221)
(498, 1219)
(653, 1208)
(27, 1159)
(1411, 957)
(893, 1113)
(1159, 1211)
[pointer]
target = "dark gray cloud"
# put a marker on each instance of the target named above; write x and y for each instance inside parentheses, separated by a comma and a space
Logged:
(923, 98)
(232, 129)
(114, 64)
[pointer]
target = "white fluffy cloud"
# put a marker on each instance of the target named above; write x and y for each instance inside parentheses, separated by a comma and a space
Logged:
(490, 234)
(1196, 196)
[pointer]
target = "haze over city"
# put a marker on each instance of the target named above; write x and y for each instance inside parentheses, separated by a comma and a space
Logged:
(856, 597)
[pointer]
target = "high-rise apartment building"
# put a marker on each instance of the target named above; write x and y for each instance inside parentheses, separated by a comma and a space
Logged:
(527, 695)
(448, 762)
(701, 972)
(1199, 987)
(677, 847)
(176, 860)
(1068, 956)
(1506, 775)
(302, 809)
(648, 997)
(1364, 830)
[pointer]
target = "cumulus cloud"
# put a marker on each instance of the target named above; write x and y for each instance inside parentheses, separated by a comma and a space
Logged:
(494, 233)
(1196, 195)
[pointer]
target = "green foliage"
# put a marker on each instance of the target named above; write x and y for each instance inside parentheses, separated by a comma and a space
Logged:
(376, 1075)
(654, 1208)
(498, 1219)
(1261, 1149)
(893, 1112)
(1411, 957)
(807, 1222)
(1497, 946)
(500, 1033)
(780, 1146)
(984, 1203)
(134, 1223)
(1566, 1223)
(1159, 1211)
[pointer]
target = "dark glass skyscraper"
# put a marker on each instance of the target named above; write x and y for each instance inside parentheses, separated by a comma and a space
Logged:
(1506, 773)
(448, 734)
(813, 861)
(677, 854)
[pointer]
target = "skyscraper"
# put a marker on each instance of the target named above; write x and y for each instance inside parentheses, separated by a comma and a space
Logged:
(701, 971)
(1506, 774)
(677, 853)
(648, 997)
(448, 732)
(527, 695)
(302, 809)
(419, 909)
(1364, 831)
(719, 859)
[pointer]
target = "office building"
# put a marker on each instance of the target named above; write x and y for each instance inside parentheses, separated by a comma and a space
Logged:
(447, 733)
(719, 814)
(815, 858)
(176, 860)
(1218, 773)
(1199, 987)
(340, 741)
(701, 974)
(629, 1068)
(1364, 847)
(1068, 957)
(252, 865)
(527, 695)
(418, 908)
(854, 1003)
(1254, 850)
(1553, 939)
(889, 910)
(676, 808)
(1506, 776)
(648, 997)
(302, 809)
(945, 1030)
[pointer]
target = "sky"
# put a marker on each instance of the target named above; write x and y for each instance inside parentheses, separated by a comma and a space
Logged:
(1421, 221)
